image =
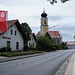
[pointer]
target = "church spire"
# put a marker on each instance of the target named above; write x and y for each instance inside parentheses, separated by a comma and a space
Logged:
(44, 23)
(43, 10)
(43, 14)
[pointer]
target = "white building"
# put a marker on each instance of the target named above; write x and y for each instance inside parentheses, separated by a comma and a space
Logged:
(32, 41)
(71, 44)
(14, 37)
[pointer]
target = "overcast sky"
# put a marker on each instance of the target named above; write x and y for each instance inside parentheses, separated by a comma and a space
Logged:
(30, 11)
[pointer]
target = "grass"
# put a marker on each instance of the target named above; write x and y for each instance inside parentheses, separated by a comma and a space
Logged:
(11, 54)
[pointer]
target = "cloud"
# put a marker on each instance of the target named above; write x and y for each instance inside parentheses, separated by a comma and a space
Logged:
(30, 12)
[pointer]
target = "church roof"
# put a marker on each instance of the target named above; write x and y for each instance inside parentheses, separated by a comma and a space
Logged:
(44, 14)
(10, 23)
(38, 34)
(53, 34)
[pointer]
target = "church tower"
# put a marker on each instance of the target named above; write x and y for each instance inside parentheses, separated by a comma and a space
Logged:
(44, 23)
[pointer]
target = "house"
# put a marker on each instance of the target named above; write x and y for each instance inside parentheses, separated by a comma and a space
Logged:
(32, 41)
(55, 35)
(14, 37)
(71, 44)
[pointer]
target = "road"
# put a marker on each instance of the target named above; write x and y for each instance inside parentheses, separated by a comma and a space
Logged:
(46, 64)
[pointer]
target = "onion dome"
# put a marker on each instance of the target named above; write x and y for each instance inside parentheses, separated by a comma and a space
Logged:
(44, 14)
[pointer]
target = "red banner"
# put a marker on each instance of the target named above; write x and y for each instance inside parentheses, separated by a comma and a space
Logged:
(3, 15)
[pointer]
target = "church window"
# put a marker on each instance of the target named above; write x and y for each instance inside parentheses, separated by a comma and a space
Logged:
(44, 22)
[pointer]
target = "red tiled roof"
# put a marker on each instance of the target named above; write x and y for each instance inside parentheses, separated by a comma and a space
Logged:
(1, 32)
(38, 34)
(70, 43)
(53, 34)
(9, 24)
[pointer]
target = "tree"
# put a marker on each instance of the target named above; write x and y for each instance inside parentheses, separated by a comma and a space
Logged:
(47, 35)
(45, 43)
(63, 44)
(55, 1)
(26, 29)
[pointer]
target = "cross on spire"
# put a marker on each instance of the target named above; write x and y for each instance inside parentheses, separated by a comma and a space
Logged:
(43, 10)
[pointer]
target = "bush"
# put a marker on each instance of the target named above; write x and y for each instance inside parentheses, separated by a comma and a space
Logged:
(44, 43)
(26, 48)
(4, 49)
(38, 47)
(10, 54)
(53, 48)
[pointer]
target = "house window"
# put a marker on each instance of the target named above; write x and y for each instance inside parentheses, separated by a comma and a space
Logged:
(33, 45)
(15, 33)
(17, 45)
(8, 43)
(29, 44)
(11, 32)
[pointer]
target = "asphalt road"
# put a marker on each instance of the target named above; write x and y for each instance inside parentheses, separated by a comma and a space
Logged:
(46, 64)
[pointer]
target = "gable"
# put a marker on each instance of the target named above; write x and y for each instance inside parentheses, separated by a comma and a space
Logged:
(17, 24)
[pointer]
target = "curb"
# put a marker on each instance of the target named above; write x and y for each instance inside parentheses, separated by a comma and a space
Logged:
(69, 70)
(64, 67)
(20, 57)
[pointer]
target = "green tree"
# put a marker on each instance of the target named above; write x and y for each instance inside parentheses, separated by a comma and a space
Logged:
(45, 43)
(63, 44)
(26, 29)
(55, 1)
(47, 35)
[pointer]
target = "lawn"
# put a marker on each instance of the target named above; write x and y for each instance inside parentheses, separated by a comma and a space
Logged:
(18, 53)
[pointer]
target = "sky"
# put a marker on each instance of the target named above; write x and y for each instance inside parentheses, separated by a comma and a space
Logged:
(29, 11)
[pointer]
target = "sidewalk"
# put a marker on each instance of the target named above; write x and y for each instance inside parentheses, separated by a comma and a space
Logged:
(5, 59)
(71, 67)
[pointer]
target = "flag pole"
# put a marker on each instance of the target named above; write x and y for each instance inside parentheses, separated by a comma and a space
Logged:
(6, 29)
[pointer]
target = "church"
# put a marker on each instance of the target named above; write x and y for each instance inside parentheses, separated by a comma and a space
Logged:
(55, 35)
